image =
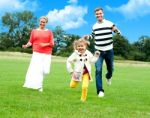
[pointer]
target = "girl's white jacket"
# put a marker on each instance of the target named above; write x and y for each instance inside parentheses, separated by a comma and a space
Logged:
(78, 60)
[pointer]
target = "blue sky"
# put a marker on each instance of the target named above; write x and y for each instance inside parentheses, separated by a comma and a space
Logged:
(77, 16)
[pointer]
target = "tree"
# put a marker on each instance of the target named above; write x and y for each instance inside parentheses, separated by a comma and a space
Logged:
(142, 46)
(69, 38)
(59, 39)
(63, 42)
(121, 46)
(5, 41)
(18, 27)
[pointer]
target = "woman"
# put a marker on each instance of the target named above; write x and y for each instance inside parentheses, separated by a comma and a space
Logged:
(41, 40)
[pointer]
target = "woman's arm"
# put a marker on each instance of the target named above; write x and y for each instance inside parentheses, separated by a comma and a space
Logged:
(26, 45)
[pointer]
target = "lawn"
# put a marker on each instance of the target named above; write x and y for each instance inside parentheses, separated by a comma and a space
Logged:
(127, 97)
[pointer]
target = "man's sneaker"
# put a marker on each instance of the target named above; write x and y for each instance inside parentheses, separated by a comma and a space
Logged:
(101, 94)
(108, 81)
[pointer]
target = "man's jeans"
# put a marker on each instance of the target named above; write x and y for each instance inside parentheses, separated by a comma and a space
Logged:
(108, 57)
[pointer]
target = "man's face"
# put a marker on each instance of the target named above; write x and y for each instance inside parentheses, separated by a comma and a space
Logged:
(99, 15)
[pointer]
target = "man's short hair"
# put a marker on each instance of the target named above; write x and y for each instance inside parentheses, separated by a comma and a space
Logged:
(98, 8)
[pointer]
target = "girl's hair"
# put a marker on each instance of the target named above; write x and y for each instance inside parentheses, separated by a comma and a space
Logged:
(81, 40)
(44, 17)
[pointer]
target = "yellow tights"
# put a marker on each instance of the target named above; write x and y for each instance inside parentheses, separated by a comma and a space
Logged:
(85, 84)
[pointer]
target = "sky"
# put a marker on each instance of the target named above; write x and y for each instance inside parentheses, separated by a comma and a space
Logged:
(77, 17)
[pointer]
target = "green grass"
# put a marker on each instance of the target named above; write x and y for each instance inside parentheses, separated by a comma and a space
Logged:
(127, 97)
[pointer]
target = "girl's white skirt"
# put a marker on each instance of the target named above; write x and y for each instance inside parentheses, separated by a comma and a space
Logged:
(39, 66)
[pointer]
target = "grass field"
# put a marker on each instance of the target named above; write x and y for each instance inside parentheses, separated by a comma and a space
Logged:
(127, 97)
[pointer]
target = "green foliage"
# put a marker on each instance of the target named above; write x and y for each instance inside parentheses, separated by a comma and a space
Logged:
(59, 39)
(91, 46)
(121, 46)
(142, 48)
(20, 49)
(5, 41)
(118, 58)
(63, 42)
(17, 28)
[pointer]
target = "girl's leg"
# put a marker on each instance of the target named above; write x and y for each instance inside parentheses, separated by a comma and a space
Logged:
(85, 85)
(73, 84)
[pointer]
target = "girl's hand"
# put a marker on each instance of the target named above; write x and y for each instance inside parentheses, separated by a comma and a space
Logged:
(71, 73)
(97, 53)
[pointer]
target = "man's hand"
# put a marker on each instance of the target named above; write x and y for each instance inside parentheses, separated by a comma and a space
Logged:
(116, 30)
(86, 37)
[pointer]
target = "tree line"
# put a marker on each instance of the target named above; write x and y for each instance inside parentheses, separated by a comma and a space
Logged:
(16, 28)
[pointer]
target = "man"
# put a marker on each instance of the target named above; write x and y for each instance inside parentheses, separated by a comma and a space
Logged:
(102, 33)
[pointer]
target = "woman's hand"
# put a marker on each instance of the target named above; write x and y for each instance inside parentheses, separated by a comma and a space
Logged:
(44, 44)
(24, 46)
(27, 45)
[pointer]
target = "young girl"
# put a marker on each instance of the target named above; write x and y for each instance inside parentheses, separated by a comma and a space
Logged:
(81, 58)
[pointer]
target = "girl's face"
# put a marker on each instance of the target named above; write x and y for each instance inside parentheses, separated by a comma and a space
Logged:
(81, 47)
(42, 23)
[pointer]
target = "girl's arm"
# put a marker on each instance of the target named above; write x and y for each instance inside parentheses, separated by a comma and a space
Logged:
(69, 63)
(95, 56)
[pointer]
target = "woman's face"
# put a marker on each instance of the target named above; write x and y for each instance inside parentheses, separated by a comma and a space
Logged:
(42, 23)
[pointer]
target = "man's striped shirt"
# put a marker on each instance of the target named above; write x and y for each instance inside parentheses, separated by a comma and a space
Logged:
(102, 33)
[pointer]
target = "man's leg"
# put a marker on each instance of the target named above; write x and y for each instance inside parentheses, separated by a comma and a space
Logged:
(109, 63)
(98, 73)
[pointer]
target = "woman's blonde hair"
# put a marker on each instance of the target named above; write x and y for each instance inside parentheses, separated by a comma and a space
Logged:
(44, 17)
(81, 40)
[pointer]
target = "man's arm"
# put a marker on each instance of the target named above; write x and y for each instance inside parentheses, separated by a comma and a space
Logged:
(86, 37)
(116, 30)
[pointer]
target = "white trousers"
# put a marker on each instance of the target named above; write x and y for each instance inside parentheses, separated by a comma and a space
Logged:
(39, 66)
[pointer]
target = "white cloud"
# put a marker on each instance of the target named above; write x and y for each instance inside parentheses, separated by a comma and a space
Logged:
(73, 1)
(16, 5)
(70, 17)
(133, 9)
